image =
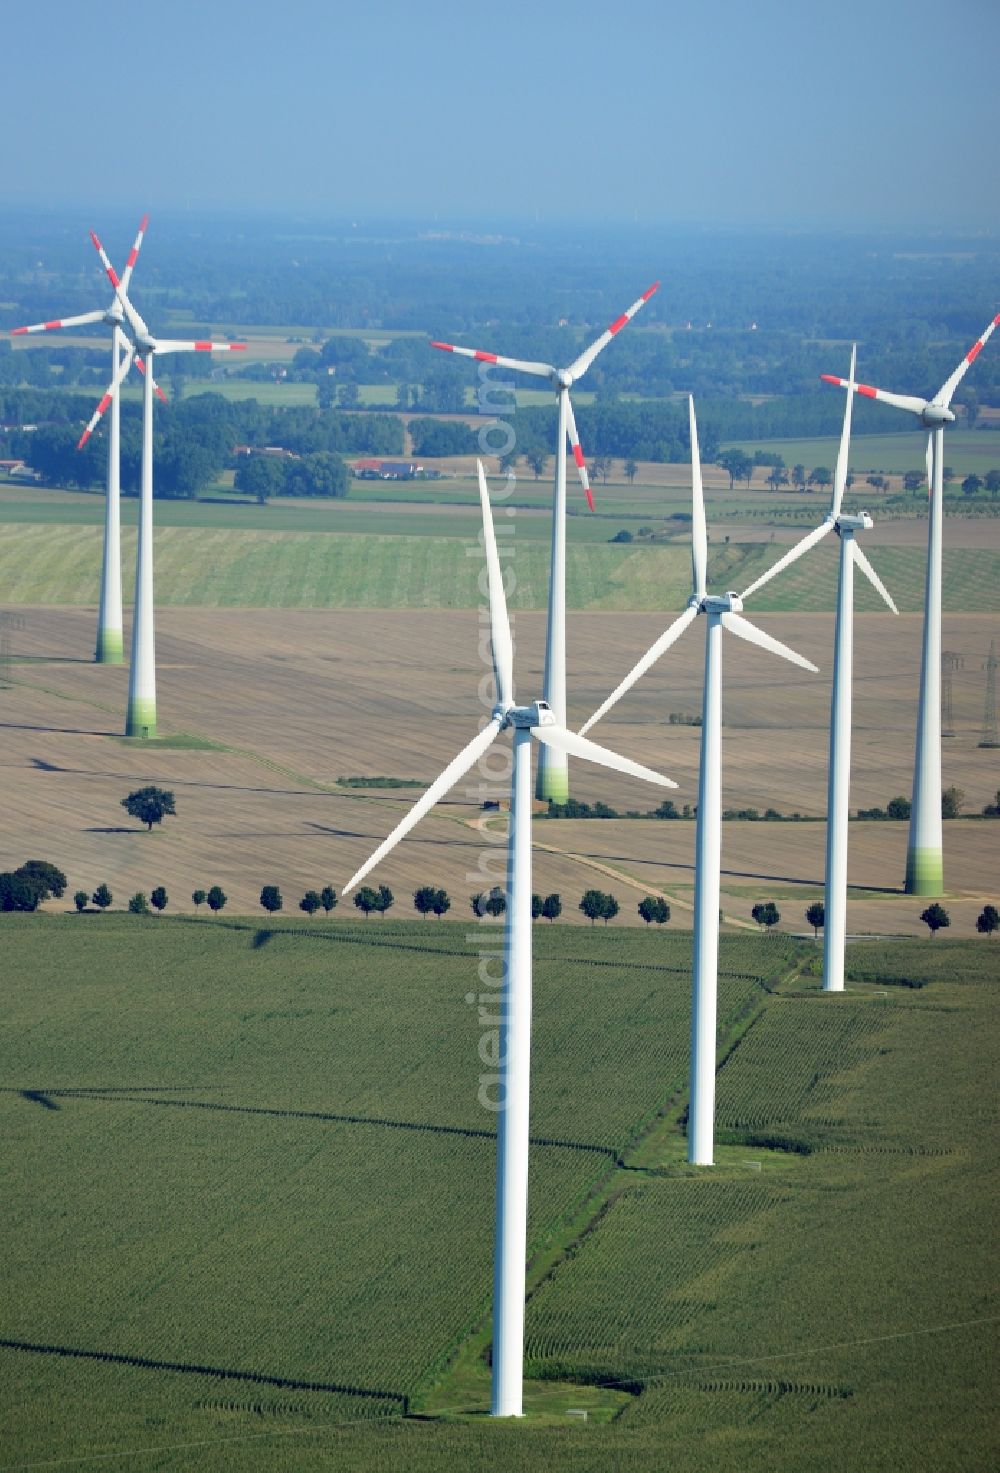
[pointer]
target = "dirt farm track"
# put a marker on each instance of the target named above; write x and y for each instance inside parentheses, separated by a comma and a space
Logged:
(296, 700)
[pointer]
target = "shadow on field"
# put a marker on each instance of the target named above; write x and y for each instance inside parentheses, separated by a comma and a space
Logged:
(222, 1373)
(67, 730)
(130, 1094)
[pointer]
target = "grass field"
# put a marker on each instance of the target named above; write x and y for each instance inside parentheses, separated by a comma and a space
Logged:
(248, 1204)
(217, 567)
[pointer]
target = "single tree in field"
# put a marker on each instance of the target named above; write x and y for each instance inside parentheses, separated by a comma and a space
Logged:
(216, 898)
(386, 899)
(592, 905)
(149, 805)
(799, 477)
(935, 918)
(198, 896)
(821, 477)
(158, 898)
(366, 899)
(492, 903)
(972, 485)
(537, 459)
(48, 879)
(310, 902)
(988, 920)
(898, 808)
(951, 802)
(737, 464)
(816, 916)
(609, 909)
(602, 465)
(551, 908)
(102, 897)
(270, 899)
(536, 907)
(654, 908)
(423, 899)
(18, 893)
(80, 899)
(442, 903)
(138, 904)
(993, 483)
(328, 898)
(765, 913)
(631, 471)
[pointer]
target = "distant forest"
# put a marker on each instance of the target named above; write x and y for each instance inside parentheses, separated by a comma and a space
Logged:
(746, 322)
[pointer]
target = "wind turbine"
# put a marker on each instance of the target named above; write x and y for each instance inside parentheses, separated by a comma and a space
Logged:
(723, 612)
(140, 720)
(553, 766)
(110, 646)
(925, 847)
(539, 721)
(839, 773)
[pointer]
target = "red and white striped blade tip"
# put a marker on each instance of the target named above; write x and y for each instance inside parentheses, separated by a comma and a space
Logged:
(865, 389)
(476, 353)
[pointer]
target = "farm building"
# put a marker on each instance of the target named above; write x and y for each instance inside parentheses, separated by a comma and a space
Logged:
(390, 470)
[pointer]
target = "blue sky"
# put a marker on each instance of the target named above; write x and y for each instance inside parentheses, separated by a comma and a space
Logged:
(756, 112)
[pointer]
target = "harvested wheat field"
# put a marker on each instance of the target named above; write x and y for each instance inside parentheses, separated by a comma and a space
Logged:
(296, 700)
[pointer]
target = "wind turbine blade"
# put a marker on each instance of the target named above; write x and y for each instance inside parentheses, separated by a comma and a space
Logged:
(123, 369)
(580, 365)
(179, 345)
(135, 320)
(539, 370)
(500, 638)
(699, 530)
(943, 397)
(134, 252)
(581, 464)
(578, 746)
(140, 365)
(871, 575)
(457, 768)
(59, 322)
(843, 454)
(898, 401)
(736, 624)
(792, 555)
(669, 637)
(929, 462)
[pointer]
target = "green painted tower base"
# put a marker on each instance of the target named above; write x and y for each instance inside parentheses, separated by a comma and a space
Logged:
(925, 872)
(141, 719)
(110, 647)
(552, 784)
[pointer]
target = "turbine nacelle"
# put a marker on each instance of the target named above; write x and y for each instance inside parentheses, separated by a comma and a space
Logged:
(860, 523)
(562, 378)
(722, 603)
(936, 415)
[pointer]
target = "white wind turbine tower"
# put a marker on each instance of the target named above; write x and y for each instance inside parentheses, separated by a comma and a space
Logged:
(925, 847)
(839, 773)
(553, 766)
(723, 612)
(140, 719)
(110, 646)
(538, 721)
